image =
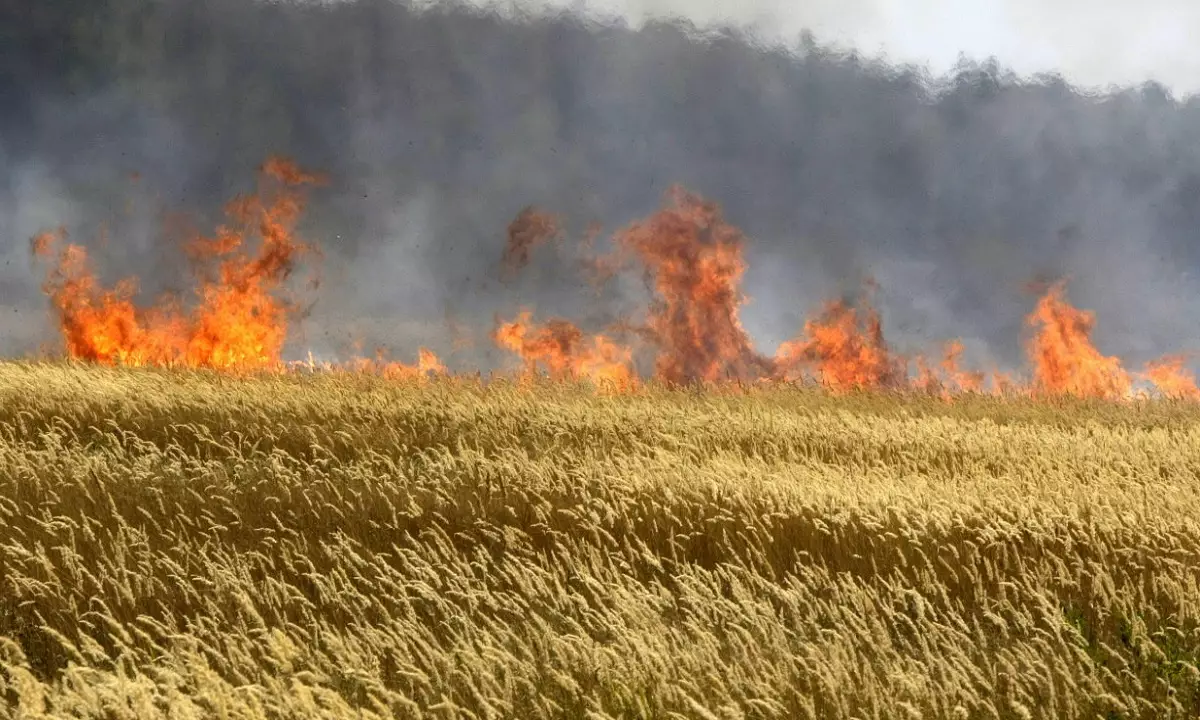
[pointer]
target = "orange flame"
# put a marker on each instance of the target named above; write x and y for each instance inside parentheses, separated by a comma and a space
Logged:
(99, 325)
(949, 378)
(1004, 383)
(238, 323)
(427, 365)
(693, 259)
(958, 379)
(567, 354)
(1064, 360)
(846, 350)
(1171, 377)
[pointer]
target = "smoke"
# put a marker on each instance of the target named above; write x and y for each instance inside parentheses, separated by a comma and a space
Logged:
(1120, 41)
(437, 126)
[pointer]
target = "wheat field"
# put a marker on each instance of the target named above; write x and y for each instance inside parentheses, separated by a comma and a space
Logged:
(195, 545)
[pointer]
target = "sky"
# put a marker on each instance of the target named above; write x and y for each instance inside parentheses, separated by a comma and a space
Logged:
(1093, 44)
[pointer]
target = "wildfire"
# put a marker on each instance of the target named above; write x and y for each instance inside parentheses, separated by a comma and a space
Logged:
(239, 320)
(1171, 378)
(427, 364)
(563, 349)
(100, 325)
(949, 378)
(846, 348)
(693, 262)
(1064, 360)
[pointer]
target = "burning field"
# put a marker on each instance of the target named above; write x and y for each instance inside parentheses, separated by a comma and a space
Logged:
(690, 333)
(649, 519)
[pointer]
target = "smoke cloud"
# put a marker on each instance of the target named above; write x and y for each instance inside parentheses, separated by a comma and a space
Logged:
(436, 125)
(1120, 41)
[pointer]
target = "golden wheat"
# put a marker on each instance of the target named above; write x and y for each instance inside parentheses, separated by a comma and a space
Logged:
(196, 545)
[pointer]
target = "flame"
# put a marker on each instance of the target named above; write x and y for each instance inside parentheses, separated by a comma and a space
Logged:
(693, 260)
(948, 379)
(99, 325)
(1004, 383)
(428, 364)
(846, 348)
(1064, 360)
(239, 322)
(1171, 378)
(959, 379)
(565, 351)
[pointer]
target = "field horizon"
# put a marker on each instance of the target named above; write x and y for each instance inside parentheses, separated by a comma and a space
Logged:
(194, 544)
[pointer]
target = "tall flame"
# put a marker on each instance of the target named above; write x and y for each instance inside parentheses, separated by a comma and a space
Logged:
(693, 259)
(1064, 360)
(239, 322)
(694, 263)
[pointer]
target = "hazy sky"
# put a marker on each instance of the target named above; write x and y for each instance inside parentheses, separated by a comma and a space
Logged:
(1093, 43)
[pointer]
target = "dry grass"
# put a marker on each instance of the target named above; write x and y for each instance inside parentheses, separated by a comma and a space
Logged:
(189, 545)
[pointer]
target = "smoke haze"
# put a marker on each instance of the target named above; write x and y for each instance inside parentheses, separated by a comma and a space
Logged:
(1093, 44)
(436, 127)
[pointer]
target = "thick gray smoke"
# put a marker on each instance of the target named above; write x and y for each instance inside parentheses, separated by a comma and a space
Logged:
(436, 127)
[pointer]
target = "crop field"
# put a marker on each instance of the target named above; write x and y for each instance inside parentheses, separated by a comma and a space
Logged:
(195, 544)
